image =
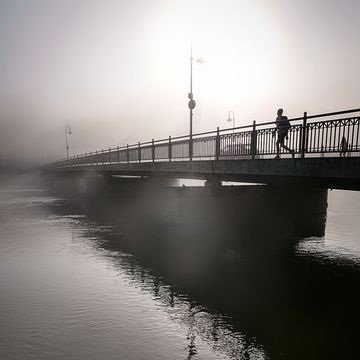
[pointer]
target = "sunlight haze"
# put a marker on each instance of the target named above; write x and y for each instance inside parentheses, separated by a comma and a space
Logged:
(118, 71)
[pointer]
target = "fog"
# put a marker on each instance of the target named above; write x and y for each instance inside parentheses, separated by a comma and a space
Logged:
(118, 71)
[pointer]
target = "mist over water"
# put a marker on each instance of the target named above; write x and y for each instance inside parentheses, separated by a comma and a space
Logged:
(91, 268)
(114, 274)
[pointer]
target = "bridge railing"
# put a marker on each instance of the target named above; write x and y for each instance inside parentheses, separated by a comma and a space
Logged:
(315, 135)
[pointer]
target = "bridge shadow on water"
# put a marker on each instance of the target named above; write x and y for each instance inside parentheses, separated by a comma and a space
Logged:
(231, 251)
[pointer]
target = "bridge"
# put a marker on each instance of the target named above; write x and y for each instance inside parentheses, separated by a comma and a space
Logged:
(245, 154)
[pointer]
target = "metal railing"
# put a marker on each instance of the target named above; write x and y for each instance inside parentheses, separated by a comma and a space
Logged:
(315, 135)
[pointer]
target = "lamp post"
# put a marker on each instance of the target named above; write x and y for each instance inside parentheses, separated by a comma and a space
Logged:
(231, 118)
(67, 132)
(192, 102)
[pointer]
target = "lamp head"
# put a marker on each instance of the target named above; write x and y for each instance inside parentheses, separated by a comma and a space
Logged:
(200, 60)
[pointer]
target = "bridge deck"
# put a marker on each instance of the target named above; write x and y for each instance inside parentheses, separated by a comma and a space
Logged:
(321, 172)
(243, 154)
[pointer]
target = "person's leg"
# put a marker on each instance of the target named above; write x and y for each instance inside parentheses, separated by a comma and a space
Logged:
(285, 147)
(279, 142)
(292, 152)
(277, 148)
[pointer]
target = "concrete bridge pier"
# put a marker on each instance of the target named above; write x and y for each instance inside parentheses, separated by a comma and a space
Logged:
(255, 211)
(97, 184)
(256, 216)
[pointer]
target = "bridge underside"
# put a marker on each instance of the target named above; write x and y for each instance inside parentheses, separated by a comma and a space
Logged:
(331, 173)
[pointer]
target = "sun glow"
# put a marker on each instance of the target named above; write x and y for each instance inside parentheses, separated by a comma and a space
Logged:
(234, 72)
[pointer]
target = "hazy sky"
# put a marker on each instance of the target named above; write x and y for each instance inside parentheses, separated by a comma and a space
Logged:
(118, 71)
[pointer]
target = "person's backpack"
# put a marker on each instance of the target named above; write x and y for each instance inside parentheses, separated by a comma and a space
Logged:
(285, 125)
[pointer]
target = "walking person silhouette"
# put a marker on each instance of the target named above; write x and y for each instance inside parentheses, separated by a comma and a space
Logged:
(282, 129)
(343, 147)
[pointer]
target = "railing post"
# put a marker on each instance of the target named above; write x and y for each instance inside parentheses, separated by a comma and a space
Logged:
(253, 145)
(217, 144)
(127, 153)
(110, 156)
(118, 155)
(139, 152)
(153, 150)
(304, 136)
(103, 156)
(170, 149)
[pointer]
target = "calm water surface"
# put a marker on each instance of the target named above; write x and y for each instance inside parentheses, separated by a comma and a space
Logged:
(67, 294)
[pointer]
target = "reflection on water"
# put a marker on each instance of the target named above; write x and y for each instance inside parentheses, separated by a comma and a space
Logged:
(341, 243)
(80, 281)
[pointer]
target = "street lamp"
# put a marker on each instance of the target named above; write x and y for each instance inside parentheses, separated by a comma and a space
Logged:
(192, 102)
(231, 118)
(67, 132)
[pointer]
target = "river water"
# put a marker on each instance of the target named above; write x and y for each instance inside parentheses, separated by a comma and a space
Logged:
(68, 291)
